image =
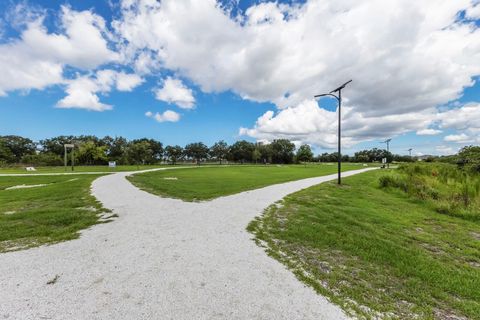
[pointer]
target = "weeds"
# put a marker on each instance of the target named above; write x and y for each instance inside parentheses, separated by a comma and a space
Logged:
(450, 189)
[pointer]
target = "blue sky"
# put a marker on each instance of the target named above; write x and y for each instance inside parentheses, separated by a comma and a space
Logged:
(245, 70)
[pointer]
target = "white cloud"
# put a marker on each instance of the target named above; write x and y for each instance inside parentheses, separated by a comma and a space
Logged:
(446, 150)
(127, 82)
(405, 57)
(458, 138)
(167, 116)
(474, 12)
(428, 132)
(81, 94)
(82, 91)
(310, 124)
(37, 59)
(174, 91)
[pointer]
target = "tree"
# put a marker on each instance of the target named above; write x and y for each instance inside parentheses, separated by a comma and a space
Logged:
(197, 151)
(304, 153)
(139, 152)
(470, 157)
(373, 155)
(282, 151)
(242, 151)
(55, 145)
(18, 146)
(117, 150)
(174, 153)
(89, 153)
(156, 148)
(256, 155)
(265, 152)
(6, 155)
(219, 151)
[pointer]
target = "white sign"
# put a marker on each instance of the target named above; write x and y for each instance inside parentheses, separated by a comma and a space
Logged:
(30, 169)
(112, 164)
(384, 160)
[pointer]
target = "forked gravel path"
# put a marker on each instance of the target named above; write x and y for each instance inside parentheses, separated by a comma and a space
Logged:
(162, 259)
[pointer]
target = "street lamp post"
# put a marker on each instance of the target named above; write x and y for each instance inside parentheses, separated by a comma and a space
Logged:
(388, 150)
(339, 99)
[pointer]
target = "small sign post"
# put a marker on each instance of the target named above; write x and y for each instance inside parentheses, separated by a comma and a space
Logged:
(112, 164)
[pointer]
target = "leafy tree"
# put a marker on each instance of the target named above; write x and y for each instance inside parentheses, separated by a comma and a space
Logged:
(242, 151)
(219, 151)
(55, 145)
(174, 153)
(139, 152)
(117, 150)
(256, 155)
(282, 151)
(155, 146)
(265, 152)
(470, 157)
(304, 153)
(18, 146)
(197, 151)
(89, 153)
(6, 155)
(373, 155)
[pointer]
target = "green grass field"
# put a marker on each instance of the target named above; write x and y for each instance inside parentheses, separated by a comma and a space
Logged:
(9, 170)
(377, 252)
(204, 183)
(45, 214)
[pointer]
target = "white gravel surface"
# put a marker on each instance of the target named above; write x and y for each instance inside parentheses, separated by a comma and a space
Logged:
(162, 259)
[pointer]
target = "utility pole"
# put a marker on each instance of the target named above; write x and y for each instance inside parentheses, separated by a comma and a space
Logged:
(339, 99)
(410, 152)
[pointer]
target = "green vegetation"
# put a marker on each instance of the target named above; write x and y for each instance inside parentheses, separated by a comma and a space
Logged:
(61, 169)
(207, 182)
(378, 252)
(447, 188)
(45, 214)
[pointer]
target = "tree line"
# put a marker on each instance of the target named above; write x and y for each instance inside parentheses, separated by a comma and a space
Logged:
(92, 150)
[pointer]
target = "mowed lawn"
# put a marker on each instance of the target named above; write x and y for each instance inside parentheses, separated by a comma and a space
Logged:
(204, 183)
(45, 214)
(376, 252)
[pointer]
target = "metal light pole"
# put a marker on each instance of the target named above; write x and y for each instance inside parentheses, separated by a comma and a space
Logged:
(388, 149)
(339, 99)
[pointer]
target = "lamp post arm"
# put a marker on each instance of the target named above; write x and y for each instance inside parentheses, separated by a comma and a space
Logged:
(327, 94)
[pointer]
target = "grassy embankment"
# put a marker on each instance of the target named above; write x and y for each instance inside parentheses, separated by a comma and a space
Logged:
(206, 183)
(403, 244)
(46, 214)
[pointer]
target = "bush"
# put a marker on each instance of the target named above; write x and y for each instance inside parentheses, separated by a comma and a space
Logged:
(450, 190)
(42, 159)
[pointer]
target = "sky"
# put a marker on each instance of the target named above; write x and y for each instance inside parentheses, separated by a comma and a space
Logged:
(182, 71)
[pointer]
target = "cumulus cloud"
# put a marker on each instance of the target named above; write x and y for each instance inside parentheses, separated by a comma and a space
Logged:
(458, 138)
(428, 132)
(308, 123)
(446, 150)
(405, 58)
(174, 91)
(38, 58)
(167, 116)
(82, 91)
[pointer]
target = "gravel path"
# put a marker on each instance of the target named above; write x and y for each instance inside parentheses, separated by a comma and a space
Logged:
(161, 259)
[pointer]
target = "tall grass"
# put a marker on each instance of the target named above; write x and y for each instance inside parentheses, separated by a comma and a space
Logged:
(449, 189)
